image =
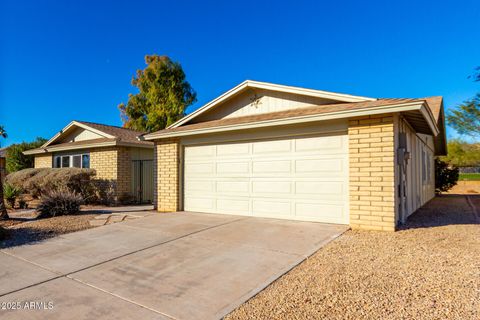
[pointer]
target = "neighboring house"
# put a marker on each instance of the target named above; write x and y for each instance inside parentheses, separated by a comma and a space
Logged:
(120, 160)
(276, 151)
(3, 163)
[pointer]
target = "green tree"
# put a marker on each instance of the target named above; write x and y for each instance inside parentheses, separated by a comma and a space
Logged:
(3, 210)
(16, 160)
(465, 118)
(163, 96)
(462, 154)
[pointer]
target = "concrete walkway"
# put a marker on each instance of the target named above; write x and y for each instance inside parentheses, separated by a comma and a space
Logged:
(163, 266)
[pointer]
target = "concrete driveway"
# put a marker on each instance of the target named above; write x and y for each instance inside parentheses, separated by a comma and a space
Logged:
(163, 266)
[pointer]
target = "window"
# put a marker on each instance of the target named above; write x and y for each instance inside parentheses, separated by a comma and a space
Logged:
(77, 161)
(85, 161)
(74, 161)
(57, 162)
(65, 161)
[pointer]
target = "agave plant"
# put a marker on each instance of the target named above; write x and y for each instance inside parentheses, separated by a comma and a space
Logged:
(10, 193)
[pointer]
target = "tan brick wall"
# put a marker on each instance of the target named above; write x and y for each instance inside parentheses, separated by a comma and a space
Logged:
(166, 175)
(113, 164)
(124, 171)
(372, 166)
(104, 161)
(43, 161)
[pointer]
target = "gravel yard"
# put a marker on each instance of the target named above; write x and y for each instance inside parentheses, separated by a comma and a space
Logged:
(20, 232)
(428, 270)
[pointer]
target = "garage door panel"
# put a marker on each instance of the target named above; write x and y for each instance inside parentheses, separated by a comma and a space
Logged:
(310, 210)
(325, 166)
(271, 208)
(233, 206)
(200, 203)
(269, 187)
(303, 178)
(334, 190)
(233, 149)
(200, 186)
(234, 187)
(199, 169)
(233, 167)
(200, 151)
(320, 144)
(271, 166)
(269, 147)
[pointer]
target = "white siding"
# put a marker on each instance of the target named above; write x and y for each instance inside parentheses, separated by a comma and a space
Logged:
(420, 171)
(79, 134)
(257, 102)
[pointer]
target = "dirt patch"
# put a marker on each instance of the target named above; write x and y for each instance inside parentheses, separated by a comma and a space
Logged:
(428, 270)
(23, 232)
(466, 187)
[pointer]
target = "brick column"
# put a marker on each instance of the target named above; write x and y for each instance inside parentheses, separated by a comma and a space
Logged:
(166, 175)
(124, 171)
(372, 176)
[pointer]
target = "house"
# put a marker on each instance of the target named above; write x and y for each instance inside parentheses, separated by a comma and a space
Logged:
(269, 150)
(120, 159)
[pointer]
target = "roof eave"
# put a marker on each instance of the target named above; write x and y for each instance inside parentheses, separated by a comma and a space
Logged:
(410, 106)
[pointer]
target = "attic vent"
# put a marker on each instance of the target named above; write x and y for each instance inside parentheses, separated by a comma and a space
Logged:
(256, 100)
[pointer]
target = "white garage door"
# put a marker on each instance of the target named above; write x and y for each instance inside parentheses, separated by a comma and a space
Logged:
(304, 178)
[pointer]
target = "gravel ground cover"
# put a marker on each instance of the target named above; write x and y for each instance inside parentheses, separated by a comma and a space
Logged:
(428, 270)
(20, 232)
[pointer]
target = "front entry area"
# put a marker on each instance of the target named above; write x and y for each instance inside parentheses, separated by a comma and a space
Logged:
(297, 178)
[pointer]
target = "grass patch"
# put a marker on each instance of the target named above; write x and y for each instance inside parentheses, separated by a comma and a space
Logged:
(469, 176)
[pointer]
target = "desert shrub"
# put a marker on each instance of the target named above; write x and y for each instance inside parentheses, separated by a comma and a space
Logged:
(104, 192)
(10, 194)
(59, 202)
(38, 182)
(446, 176)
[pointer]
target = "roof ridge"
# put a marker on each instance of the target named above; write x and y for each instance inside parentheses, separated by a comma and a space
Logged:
(109, 125)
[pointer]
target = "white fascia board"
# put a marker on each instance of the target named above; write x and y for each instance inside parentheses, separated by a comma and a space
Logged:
(66, 148)
(78, 124)
(427, 114)
(136, 145)
(411, 106)
(273, 87)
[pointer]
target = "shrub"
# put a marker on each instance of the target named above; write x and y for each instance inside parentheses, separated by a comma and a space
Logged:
(59, 202)
(10, 193)
(16, 160)
(38, 182)
(445, 176)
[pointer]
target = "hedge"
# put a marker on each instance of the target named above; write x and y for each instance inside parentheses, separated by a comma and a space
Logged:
(41, 181)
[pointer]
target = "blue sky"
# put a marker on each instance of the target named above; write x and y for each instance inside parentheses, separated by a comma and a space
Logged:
(65, 60)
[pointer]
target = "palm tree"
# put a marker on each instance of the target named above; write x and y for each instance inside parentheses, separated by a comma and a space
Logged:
(3, 210)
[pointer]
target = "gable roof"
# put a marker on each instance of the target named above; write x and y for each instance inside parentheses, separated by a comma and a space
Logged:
(339, 97)
(119, 133)
(308, 114)
(110, 136)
